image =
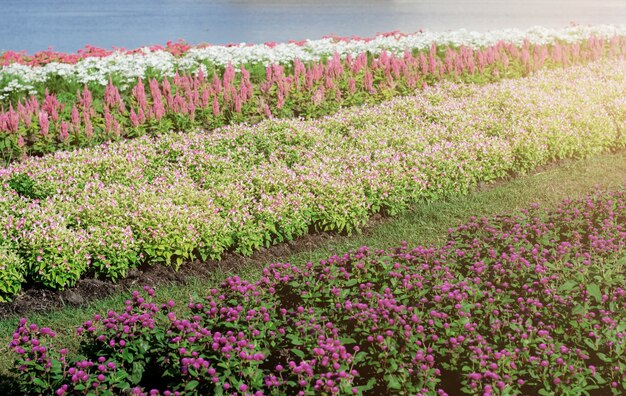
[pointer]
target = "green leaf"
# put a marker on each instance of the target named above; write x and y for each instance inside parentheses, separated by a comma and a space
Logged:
(128, 355)
(369, 386)
(294, 339)
(351, 282)
(191, 385)
(347, 341)
(590, 344)
(599, 379)
(393, 366)
(137, 372)
(298, 353)
(594, 291)
(393, 382)
(568, 286)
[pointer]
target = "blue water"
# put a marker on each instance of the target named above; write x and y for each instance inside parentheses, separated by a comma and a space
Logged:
(67, 25)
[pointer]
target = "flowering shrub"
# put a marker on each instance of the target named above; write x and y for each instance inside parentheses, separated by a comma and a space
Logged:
(532, 303)
(63, 112)
(100, 211)
(11, 273)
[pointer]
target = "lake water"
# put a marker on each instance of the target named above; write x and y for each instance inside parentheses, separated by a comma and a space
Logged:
(67, 25)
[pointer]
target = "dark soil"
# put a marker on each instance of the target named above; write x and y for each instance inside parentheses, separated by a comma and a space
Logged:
(34, 298)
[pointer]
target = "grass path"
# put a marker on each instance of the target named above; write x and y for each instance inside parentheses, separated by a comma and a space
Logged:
(426, 224)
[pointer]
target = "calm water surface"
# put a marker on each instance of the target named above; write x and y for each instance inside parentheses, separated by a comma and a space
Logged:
(67, 25)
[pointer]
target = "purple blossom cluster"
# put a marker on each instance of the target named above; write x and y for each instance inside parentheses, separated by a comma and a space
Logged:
(101, 211)
(37, 125)
(532, 303)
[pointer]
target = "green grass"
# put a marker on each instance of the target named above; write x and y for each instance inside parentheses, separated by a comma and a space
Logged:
(426, 224)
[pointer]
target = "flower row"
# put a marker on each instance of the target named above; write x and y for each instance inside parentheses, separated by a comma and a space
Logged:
(309, 90)
(42, 58)
(101, 211)
(179, 56)
(97, 67)
(532, 303)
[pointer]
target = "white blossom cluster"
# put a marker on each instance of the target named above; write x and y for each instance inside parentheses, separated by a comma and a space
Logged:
(128, 67)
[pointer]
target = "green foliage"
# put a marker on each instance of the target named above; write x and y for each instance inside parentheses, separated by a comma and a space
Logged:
(55, 257)
(28, 187)
(11, 273)
(113, 251)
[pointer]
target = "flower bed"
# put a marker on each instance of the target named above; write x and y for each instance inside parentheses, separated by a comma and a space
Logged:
(98, 105)
(532, 303)
(100, 211)
(178, 55)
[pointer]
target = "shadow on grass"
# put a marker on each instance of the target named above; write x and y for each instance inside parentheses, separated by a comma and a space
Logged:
(8, 385)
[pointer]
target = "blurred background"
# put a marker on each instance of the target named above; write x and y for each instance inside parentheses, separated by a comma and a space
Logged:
(67, 25)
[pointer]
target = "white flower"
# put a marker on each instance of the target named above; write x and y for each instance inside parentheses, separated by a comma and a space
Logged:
(129, 67)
